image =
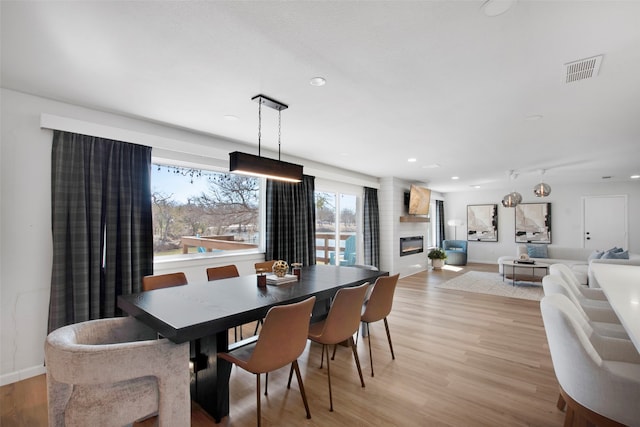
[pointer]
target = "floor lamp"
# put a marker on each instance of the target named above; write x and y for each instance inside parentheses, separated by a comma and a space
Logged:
(455, 223)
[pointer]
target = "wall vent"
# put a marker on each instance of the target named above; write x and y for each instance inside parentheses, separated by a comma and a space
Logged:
(582, 69)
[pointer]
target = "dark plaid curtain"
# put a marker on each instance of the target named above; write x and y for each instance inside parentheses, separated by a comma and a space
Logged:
(371, 227)
(101, 225)
(291, 221)
(439, 223)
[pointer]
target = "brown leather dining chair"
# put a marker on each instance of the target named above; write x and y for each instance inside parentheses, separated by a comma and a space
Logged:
(225, 272)
(378, 306)
(264, 265)
(159, 281)
(222, 272)
(341, 323)
(281, 342)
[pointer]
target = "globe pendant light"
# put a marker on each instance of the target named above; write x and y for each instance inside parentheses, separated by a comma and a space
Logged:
(542, 189)
(514, 198)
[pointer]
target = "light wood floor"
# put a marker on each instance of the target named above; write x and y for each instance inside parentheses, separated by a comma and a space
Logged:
(462, 359)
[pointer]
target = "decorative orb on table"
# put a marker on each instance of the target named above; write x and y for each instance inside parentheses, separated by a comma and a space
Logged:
(280, 268)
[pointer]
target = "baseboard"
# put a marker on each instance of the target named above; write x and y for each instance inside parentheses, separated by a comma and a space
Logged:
(22, 374)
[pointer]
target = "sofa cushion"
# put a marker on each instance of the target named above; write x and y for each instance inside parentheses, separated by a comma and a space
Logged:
(615, 255)
(537, 251)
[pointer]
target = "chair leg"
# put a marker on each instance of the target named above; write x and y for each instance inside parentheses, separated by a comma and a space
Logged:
(258, 323)
(333, 356)
(355, 356)
(258, 399)
(370, 353)
(294, 366)
(290, 375)
(561, 402)
(328, 377)
(266, 382)
(322, 357)
(386, 326)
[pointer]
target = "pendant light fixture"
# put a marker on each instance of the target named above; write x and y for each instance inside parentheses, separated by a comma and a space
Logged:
(542, 189)
(248, 164)
(514, 198)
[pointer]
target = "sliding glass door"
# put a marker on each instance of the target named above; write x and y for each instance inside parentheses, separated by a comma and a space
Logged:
(337, 228)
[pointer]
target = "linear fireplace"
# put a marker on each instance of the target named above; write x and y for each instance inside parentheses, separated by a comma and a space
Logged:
(411, 245)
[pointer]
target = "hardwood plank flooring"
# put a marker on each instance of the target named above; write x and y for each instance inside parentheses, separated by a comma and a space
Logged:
(462, 359)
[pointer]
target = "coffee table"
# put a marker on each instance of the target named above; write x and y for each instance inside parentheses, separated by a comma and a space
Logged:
(513, 265)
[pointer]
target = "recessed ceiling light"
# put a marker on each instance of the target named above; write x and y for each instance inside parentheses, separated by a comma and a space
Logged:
(230, 118)
(475, 186)
(455, 177)
(431, 166)
(412, 160)
(318, 81)
(533, 117)
(635, 177)
(496, 7)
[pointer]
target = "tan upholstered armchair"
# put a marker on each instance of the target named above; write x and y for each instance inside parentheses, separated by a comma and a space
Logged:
(112, 372)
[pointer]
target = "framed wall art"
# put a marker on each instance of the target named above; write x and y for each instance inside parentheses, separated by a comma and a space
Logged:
(533, 223)
(482, 223)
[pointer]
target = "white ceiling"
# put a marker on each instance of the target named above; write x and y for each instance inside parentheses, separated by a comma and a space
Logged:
(438, 81)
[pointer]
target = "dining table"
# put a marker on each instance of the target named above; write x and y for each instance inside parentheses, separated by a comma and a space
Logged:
(203, 312)
(621, 285)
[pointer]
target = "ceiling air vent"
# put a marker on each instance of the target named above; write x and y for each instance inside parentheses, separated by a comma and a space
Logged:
(583, 69)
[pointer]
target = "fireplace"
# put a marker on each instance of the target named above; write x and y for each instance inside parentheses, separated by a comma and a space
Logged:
(411, 245)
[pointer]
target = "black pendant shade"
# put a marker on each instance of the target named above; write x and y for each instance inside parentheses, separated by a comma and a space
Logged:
(248, 164)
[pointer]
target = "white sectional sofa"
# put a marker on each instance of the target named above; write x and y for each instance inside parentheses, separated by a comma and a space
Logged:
(577, 259)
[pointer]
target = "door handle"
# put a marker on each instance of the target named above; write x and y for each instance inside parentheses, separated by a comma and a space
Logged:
(588, 238)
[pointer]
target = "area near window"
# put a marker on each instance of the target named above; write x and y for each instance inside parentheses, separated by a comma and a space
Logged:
(203, 211)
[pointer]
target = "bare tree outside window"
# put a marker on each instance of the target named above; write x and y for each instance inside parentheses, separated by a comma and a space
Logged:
(203, 211)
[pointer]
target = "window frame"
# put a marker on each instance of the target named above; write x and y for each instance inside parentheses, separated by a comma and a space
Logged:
(199, 257)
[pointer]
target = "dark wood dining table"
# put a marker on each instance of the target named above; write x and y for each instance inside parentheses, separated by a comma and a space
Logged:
(203, 312)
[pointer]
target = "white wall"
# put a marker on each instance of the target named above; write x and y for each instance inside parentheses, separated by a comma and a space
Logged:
(566, 215)
(25, 211)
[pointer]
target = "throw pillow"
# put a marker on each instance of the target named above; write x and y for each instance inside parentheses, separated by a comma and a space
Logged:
(596, 255)
(615, 249)
(537, 251)
(616, 255)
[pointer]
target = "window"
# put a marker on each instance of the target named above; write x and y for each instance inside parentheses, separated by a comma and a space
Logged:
(199, 211)
(340, 209)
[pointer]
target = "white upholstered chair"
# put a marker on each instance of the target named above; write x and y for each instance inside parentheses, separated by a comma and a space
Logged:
(112, 372)
(599, 376)
(595, 310)
(565, 272)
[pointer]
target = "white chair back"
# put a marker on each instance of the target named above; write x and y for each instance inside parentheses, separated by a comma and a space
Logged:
(595, 310)
(605, 386)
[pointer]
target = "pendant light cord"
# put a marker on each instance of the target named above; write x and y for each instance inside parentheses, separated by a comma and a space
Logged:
(279, 130)
(259, 125)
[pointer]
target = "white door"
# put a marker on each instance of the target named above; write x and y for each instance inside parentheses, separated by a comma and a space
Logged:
(604, 222)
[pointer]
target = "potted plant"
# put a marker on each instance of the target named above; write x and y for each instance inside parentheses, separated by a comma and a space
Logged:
(437, 257)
